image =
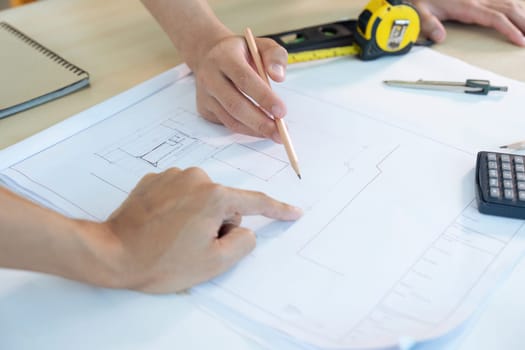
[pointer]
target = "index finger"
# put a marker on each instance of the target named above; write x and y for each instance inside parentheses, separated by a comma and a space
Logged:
(245, 202)
(517, 16)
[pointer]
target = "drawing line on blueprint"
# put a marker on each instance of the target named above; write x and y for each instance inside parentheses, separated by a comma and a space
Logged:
(381, 303)
(109, 183)
(248, 172)
(343, 208)
(309, 260)
(166, 143)
(151, 144)
(475, 221)
(412, 268)
(229, 155)
(470, 229)
(454, 238)
(162, 148)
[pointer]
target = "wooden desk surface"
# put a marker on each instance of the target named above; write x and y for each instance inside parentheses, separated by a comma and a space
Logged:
(121, 45)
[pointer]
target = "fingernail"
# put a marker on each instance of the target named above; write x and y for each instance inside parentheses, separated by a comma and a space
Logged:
(277, 111)
(522, 41)
(298, 212)
(277, 69)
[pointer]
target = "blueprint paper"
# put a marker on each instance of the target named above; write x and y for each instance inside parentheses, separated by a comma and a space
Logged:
(391, 247)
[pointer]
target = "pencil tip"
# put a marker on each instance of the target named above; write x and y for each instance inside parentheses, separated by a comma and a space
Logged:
(505, 146)
(299, 176)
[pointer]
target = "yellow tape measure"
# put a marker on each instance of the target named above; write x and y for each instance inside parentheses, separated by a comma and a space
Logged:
(312, 55)
(384, 28)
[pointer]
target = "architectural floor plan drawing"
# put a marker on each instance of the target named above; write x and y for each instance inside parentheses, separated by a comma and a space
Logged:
(391, 245)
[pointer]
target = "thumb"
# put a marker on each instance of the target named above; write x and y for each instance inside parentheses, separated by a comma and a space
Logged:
(235, 244)
(274, 58)
(431, 26)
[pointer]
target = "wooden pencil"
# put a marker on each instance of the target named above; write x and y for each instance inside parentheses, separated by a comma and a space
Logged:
(515, 146)
(283, 131)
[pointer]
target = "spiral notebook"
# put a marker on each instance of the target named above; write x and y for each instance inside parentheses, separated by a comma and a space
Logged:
(31, 74)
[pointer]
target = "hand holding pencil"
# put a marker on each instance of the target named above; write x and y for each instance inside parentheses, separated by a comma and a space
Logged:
(229, 90)
(225, 76)
(283, 131)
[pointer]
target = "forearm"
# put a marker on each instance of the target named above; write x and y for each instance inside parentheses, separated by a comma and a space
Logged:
(190, 24)
(38, 239)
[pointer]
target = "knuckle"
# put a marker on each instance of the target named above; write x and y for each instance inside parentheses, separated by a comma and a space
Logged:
(234, 106)
(215, 191)
(262, 195)
(145, 182)
(266, 98)
(148, 177)
(173, 170)
(205, 106)
(241, 79)
(497, 18)
(206, 114)
(511, 7)
(233, 125)
(266, 129)
(263, 198)
(195, 173)
(168, 175)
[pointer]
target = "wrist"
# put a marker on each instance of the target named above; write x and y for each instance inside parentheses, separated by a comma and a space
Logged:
(99, 255)
(192, 26)
(193, 52)
(52, 243)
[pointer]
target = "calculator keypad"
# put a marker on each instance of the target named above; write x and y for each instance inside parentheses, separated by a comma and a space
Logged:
(506, 178)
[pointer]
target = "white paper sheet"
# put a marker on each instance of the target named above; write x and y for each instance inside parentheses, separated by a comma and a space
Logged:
(391, 247)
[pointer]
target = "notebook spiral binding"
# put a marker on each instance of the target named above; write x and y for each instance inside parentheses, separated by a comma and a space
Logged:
(44, 50)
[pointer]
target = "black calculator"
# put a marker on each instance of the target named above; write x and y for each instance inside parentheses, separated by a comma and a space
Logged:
(500, 184)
